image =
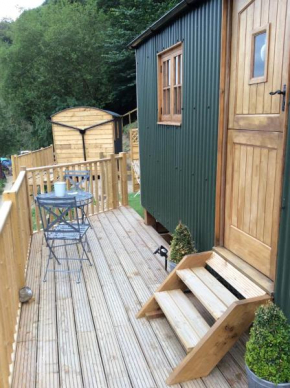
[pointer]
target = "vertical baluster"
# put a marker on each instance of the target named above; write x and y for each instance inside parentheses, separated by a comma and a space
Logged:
(91, 187)
(96, 187)
(103, 192)
(34, 183)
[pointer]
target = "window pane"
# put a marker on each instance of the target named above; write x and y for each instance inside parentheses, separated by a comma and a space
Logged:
(259, 55)
(169, 71)
(168, 102)
(176, 70)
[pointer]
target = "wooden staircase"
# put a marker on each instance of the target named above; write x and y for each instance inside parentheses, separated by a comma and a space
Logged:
(227, 294)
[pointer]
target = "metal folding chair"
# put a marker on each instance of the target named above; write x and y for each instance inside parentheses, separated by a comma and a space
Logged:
(59, 231)
(80, 181)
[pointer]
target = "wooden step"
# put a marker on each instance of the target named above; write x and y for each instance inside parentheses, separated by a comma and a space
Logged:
(245, 268)
(211, 300)
(185, 320)
(235, 278)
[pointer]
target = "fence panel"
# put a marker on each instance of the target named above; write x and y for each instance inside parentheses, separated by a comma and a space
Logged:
(108, 183)
(134, 154)
(15, 237)
(41, 157)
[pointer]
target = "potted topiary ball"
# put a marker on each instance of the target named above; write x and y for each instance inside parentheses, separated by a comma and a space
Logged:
(268, 349)
(181, 245)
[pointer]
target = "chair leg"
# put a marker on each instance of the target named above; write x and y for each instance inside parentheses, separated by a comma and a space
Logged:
(48, 260)
(85, 252)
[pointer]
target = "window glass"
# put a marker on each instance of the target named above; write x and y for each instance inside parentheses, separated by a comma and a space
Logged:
(259, 55)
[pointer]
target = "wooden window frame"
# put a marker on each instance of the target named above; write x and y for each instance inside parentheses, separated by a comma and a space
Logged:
(165, 55)
(255, 32)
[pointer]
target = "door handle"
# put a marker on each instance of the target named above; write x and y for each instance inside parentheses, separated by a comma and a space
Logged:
(283, 92)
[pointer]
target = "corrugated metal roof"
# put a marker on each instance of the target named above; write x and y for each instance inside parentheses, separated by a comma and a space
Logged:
(175, 12)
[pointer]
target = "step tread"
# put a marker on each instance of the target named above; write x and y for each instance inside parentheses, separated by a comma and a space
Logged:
(234, 277)
(215, 286)
(246, 269)
(209, 300)
(184, 318)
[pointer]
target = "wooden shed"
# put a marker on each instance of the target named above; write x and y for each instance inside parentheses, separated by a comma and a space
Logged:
(82, 133)
(213, 117)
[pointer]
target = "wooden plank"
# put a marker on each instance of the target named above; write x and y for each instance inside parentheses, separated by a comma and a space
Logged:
(178, 321)
(47, 351)
(218, 340)
(210, 301)
(215, 286)
(240, 282)
(112, 283)
(250, 272)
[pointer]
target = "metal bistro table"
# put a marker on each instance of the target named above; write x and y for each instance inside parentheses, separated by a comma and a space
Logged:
(83, 199)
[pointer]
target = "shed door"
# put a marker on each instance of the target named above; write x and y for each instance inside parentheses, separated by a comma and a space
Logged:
(259, 65)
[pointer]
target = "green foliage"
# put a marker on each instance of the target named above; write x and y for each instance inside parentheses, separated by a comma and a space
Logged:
(68, 53)
(268, 349)
(181, 244)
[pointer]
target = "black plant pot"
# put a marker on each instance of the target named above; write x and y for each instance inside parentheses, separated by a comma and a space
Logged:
(256, 382)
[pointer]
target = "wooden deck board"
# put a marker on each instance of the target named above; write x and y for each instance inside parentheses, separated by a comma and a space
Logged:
(87, 335)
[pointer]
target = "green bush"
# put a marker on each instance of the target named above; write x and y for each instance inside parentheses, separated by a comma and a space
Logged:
(268, 349)
(181, 244)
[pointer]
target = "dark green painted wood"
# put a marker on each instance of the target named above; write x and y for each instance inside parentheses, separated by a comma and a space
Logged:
(178, 164)
(282, 284)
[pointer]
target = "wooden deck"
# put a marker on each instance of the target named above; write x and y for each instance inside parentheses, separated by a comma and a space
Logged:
(86, 335)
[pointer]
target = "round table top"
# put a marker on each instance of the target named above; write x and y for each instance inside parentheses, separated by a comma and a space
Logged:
(82, 197)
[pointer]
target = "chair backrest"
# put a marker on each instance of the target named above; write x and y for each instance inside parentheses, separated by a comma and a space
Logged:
(54, 211)
(79, 179)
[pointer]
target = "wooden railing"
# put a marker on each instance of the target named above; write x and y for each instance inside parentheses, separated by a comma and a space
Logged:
(134, 154)
(108, 183)
(41, 157)
(15, 236)
(131, 113)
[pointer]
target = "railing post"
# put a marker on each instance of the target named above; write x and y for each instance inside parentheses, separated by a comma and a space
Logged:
(27, 199)
(16, 231)
(14, 172)
(124, 178)
(114, 182)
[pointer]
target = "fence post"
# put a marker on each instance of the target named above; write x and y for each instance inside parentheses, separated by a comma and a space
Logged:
(124, 178)
(114, 182)
(15, 225)
(14, 172)
(27, 199)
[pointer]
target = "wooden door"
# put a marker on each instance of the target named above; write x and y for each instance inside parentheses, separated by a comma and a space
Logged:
(259, 65)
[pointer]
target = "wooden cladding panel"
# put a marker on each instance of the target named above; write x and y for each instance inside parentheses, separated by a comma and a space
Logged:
(254, 98)
(68, 142)
(254, 178)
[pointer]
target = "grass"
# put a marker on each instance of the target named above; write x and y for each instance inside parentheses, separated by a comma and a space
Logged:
(135, 203)
(2, 185)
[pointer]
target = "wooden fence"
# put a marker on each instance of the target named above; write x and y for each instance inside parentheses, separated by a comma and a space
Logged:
(41, 157)
(15, 236)
(134, 154)
(108, 183)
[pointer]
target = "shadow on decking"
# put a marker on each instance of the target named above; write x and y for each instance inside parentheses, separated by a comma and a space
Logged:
(86, 335)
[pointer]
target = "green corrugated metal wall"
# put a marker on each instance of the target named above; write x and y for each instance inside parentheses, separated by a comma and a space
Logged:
(178, 164)
(282, 286)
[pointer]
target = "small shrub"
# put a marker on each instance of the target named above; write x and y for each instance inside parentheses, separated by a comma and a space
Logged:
(181, 244)
(268, 349)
